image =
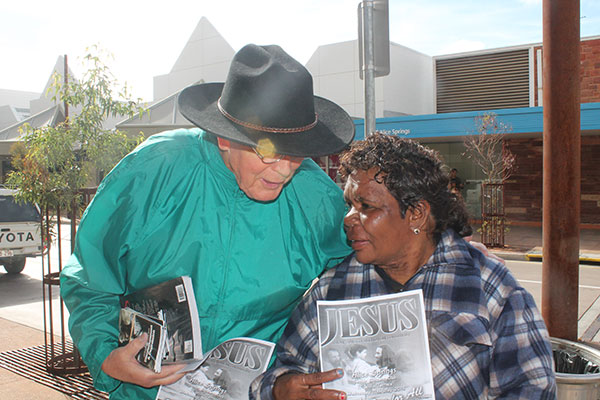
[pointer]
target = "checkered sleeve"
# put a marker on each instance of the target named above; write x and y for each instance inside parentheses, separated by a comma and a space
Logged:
(522, 361)
(297, 350)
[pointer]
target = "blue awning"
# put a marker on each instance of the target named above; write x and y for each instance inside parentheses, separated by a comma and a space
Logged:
(454, 125)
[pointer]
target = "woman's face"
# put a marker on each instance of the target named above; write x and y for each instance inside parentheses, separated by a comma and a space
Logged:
(374, 224)
(260, 181)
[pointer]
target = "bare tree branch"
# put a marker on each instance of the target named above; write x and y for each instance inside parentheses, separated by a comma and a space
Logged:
(486, 148)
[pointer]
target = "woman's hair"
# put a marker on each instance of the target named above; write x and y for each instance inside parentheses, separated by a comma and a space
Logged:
(385, 350)
(411, 172)
(387, 357)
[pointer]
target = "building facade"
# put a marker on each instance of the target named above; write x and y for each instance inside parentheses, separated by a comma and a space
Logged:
(510, 79)
(506, 82)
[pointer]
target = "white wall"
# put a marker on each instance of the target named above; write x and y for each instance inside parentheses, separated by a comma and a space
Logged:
(205, 57)
(334, 68)
(8, 116)
(408, 89)
(17, 98)
(45, 99)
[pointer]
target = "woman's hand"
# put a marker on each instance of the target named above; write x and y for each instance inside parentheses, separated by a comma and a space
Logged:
(482, 248)
(122, 365)
(307, 386)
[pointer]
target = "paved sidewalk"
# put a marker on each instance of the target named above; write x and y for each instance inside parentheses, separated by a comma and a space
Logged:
(14, 336)
(526, 243)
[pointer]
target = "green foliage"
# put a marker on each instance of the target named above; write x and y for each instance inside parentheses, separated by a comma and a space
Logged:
(491, 226)
(53, 163)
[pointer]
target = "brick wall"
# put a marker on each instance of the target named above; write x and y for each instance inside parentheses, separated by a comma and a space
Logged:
(589, 72)
(523, 190)
(590, 179)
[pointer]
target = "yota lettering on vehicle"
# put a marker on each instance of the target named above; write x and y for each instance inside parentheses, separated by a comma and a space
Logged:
(17, 237)
(19, 232)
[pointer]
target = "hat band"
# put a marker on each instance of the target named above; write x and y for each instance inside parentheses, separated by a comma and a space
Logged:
(266, 128)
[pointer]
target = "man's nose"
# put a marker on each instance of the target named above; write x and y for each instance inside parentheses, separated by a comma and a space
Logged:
(287, 165)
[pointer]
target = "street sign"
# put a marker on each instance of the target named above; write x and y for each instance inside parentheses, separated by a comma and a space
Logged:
(380, 25)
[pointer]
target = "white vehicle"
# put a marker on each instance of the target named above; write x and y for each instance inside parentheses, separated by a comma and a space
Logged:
(20, 232)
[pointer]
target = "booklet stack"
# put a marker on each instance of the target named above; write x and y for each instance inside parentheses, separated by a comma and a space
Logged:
(167, 312)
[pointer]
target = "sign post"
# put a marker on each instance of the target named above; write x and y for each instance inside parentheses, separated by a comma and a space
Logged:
(374, 51)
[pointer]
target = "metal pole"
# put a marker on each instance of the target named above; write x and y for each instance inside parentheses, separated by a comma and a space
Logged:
(562, 167)
(369, 67)
(73, 214)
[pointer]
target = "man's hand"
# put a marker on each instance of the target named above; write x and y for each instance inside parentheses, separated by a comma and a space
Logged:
(307, 386)
(122, 365)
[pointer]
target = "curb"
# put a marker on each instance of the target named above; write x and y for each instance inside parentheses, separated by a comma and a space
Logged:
(510, 255)
(590, 256)
(535, 254)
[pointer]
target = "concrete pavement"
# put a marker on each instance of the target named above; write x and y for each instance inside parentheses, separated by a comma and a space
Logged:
(15, 336)
(526, 243)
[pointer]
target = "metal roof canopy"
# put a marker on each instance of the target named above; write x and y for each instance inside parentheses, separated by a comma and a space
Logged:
(454, 126)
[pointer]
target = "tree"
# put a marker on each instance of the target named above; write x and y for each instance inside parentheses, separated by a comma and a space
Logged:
(486, 149)
(53, 163)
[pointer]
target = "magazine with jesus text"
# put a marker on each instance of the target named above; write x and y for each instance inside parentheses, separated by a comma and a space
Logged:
(224, 374)
(381, 343)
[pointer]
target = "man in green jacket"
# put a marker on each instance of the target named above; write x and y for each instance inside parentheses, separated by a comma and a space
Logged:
(233, 204)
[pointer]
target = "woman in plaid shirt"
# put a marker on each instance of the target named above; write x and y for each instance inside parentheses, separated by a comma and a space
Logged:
(486, 336)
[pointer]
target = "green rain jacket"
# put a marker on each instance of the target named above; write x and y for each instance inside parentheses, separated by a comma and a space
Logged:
(172, 208)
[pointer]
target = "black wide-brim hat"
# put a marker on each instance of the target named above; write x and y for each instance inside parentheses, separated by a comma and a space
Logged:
(268, 97)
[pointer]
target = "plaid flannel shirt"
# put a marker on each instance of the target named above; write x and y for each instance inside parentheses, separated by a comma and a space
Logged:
(486, 336)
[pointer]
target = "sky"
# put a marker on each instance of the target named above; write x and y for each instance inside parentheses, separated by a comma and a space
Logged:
(146, 37)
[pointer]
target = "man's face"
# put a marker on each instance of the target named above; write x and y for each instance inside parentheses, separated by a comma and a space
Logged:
(260, 181)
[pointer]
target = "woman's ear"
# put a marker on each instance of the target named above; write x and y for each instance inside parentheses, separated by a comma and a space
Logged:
(419, 215)
(224, 144)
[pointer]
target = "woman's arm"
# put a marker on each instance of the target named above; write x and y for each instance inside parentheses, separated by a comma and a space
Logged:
(295, 373)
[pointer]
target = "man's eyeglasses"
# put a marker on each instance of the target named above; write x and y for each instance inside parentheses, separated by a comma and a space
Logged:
(267, 156)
